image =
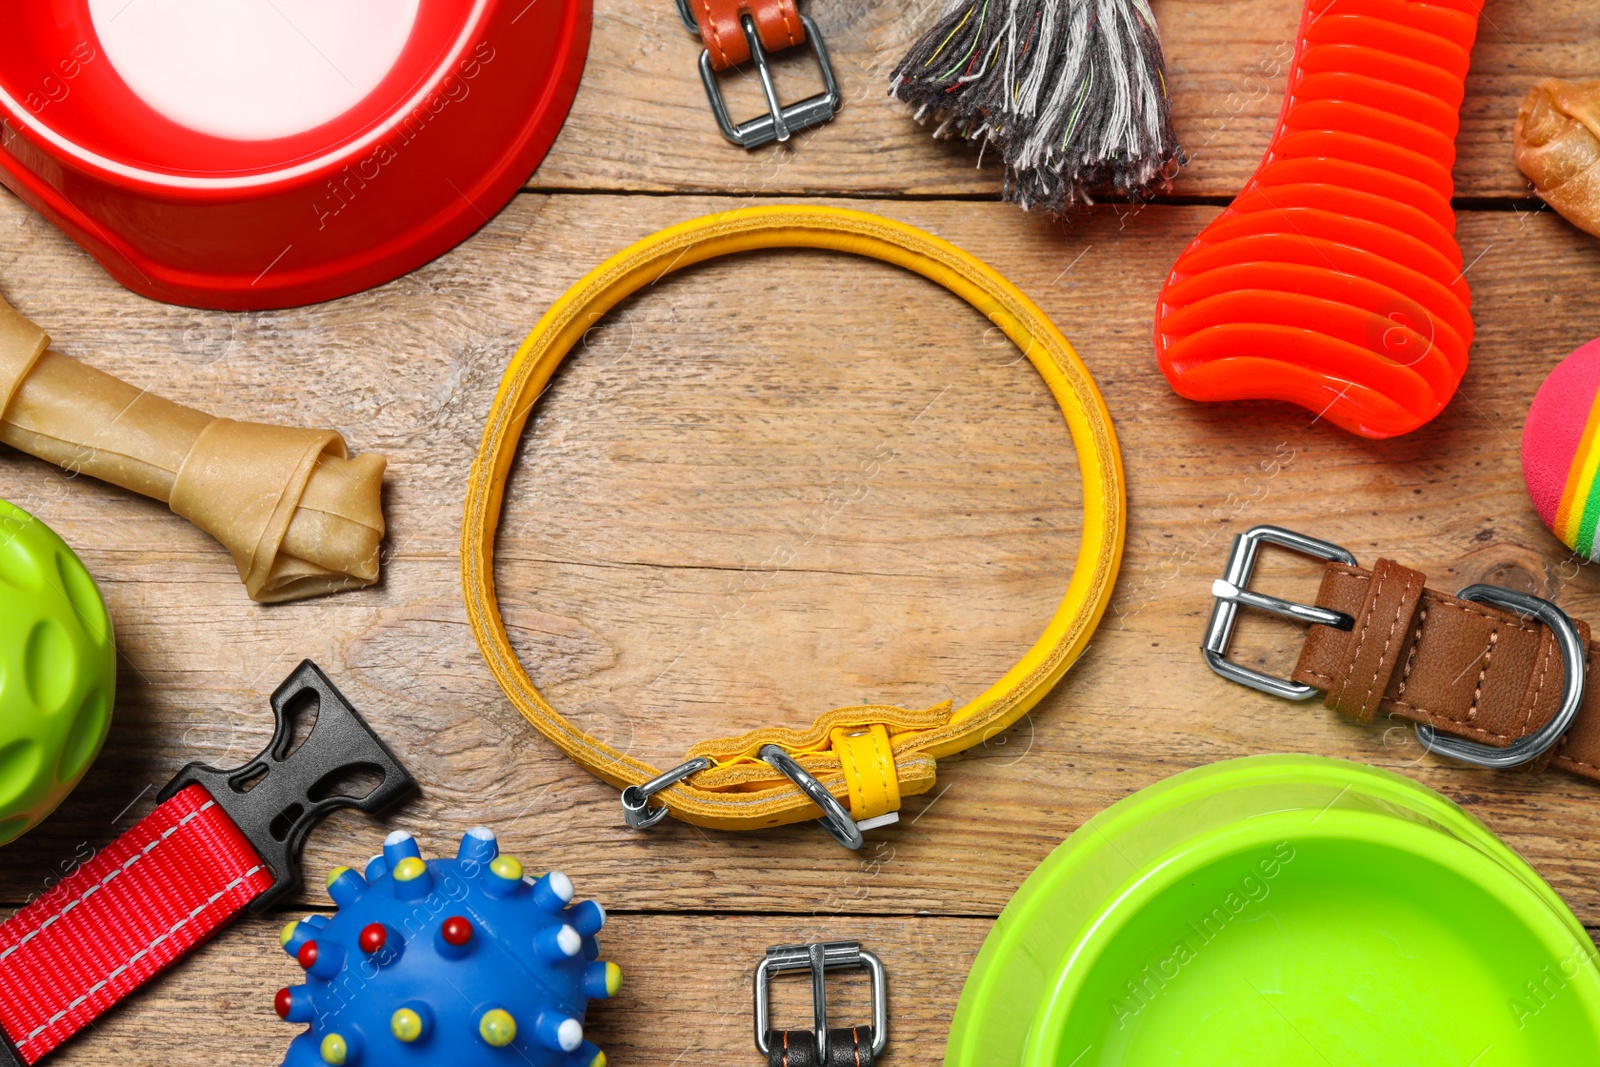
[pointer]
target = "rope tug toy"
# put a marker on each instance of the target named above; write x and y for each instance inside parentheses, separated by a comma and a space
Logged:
(1073, 94)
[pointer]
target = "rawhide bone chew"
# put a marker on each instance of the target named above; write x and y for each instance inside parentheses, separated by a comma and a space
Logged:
(1334, 280)
(1557, 139)
(299, 515)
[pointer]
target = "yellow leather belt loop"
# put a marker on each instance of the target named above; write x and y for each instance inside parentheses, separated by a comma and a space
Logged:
(874, 754)
(869, 772)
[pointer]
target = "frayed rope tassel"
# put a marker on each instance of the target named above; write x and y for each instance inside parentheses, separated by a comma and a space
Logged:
(1072, 93)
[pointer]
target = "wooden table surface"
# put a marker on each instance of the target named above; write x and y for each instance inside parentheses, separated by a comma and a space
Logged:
(722, 416)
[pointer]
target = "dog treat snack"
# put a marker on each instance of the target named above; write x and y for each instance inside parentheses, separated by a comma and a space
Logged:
(1557, 140)
(299, 515)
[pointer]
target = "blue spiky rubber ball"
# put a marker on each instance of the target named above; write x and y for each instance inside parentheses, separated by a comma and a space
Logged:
(58, 671)
(463, 962)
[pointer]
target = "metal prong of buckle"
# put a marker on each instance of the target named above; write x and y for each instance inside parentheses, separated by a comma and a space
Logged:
(1231, 592)
(1537, 743)
(278, 797)
(780, 121)
(835, 816)
(636, 809)
(820, 958)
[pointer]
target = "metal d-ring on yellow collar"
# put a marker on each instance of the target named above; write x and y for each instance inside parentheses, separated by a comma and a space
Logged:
(874, 754)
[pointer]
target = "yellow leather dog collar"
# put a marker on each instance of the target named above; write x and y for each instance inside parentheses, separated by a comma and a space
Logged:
(874, 754)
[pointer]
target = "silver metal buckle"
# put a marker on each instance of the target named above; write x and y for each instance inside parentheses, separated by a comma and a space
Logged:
(820, 958)
(780, 121)
(1535, 744)
(636, 809)
(1231, 593)
(835, 816)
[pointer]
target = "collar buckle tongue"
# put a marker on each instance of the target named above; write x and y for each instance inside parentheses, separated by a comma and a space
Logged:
(279, 796)
(1232, 592)
(781, 120)
(820, 958)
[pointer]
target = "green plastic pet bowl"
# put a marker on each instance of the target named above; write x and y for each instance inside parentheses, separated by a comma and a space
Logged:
(1282, 910)
(58, 671)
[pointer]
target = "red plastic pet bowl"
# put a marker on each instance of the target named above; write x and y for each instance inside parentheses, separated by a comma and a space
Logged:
(268, 153)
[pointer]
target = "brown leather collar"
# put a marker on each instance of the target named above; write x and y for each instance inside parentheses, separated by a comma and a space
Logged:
(737, 31)
(1464, 670)
(777, 23)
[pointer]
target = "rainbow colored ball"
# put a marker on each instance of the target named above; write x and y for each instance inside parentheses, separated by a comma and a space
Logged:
(1561, 450)
(446, 963)
(58, 671)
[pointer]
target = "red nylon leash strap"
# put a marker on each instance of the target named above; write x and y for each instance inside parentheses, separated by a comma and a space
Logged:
(174, 879)
(218, 842)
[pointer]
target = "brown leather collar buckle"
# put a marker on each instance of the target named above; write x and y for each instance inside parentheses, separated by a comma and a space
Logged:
(1231, 592)
(781, 120)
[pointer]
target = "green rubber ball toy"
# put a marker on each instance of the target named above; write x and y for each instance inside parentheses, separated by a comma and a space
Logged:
(58, 671)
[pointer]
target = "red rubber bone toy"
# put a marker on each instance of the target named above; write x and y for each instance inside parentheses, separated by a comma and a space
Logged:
(1334, 281)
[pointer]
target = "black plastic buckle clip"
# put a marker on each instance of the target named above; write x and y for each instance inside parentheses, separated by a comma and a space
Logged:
(279, 797)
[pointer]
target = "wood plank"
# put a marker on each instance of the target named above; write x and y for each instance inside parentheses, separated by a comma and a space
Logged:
(710, 421)
(696, 1010)
(640, 121)
(913, 464)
